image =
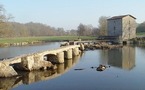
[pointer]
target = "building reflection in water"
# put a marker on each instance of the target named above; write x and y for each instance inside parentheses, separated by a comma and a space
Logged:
(123, 58)
(35, 76)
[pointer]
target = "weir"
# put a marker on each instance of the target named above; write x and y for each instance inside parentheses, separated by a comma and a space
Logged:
(39, 60)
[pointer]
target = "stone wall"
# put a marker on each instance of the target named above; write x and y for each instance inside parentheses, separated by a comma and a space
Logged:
(115, 27)
(128, 28)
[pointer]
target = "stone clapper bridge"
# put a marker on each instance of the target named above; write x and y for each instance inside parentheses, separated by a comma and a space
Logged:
(40, 60)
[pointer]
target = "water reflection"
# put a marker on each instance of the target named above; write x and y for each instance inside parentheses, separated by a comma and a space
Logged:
(122, 58)
(35, 76)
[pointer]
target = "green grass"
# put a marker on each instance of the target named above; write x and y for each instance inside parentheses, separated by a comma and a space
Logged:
(45, 38)
(141, 34)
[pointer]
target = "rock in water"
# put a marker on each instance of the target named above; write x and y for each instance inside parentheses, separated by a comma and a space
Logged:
(101, 68)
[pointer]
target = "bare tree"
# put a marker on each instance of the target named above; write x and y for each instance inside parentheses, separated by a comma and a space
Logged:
(60, 32)
(71, 32)
(88, 30)
(4, 25)
(85, 30)
(103, 25)
(81, 29)
(95, 32)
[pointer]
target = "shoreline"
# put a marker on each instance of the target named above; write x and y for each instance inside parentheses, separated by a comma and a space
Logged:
(23, 41)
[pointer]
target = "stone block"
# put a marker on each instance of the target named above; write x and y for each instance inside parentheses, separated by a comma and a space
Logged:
(7, 71)
(27, 63)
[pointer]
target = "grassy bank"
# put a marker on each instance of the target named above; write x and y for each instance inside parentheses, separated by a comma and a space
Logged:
(141, 34)
(46, 38)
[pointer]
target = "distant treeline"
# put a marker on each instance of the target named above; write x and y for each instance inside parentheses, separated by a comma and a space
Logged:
(14, 29)
(141, 28)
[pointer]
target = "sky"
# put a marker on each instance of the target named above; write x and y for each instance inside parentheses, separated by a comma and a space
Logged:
(68, 14)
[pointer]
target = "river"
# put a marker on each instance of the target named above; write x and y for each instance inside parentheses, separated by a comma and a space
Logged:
(125, 71)
(8, 52)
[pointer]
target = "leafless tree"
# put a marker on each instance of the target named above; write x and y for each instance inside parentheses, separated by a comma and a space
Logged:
(4, 25)
(73, 32)
(103, 25)
(81, 29)
(85, 30)
(95, 32)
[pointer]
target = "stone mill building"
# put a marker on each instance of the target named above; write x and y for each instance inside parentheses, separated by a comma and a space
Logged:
(123, 26)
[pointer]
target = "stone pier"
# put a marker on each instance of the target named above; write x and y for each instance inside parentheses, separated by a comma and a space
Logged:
(60, 57)
(76, 52)
(68, 54)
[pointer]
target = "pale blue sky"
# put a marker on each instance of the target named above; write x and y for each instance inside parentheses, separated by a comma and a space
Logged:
(70, 13)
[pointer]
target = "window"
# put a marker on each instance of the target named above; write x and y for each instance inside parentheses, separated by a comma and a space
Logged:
(114, 28)
(129, 28)
(129, 22)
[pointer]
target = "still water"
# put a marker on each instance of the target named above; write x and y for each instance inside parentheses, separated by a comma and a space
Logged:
(8, 52)
(126, 72)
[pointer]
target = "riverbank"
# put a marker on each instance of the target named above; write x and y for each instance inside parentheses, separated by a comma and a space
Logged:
(21, 41)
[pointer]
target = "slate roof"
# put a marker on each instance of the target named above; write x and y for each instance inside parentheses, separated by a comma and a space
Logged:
(120, 17)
